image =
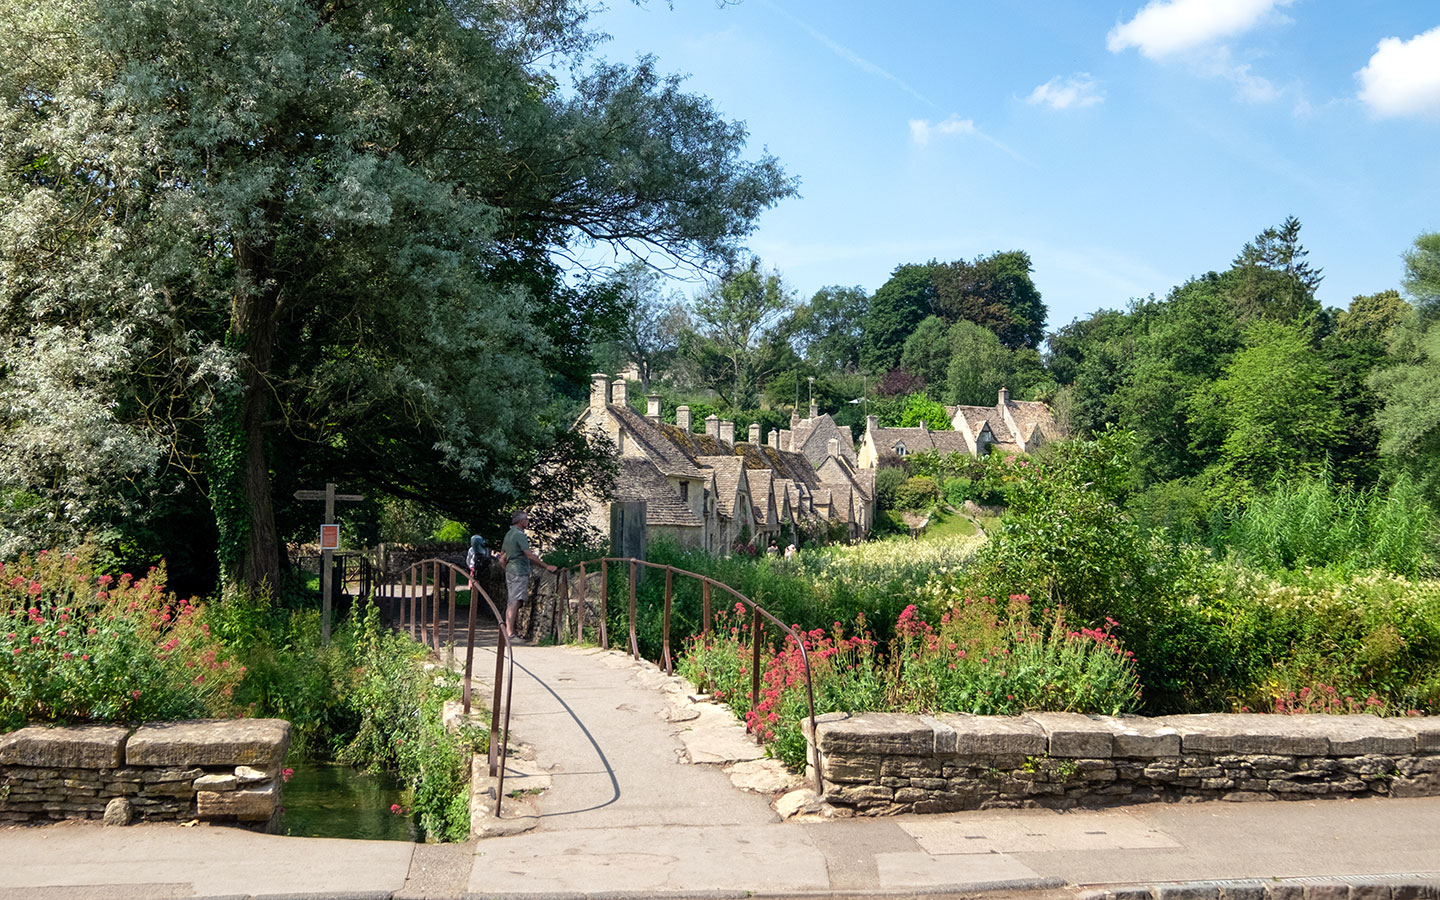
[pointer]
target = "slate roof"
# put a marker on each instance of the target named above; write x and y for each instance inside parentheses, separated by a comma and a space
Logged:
(812, 437)
(668, 458)
(977, 416)
(729, 473)
(638, 479)
(762, 498)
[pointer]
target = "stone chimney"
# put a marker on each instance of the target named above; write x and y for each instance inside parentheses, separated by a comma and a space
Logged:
(727, 432)
(618, 391)
(794, 418)
(652, 408)
(832, 447)
(712, 425)
(599, 390)
(754, 432)
(682, 417)
(814, 410)
(775, 438)
(872, 423)
(1004, 397)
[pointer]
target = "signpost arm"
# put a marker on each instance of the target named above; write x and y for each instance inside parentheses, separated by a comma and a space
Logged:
(327, 560)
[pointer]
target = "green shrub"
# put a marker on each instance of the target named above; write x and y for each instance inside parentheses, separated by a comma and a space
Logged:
(887, 481)
(919, 492)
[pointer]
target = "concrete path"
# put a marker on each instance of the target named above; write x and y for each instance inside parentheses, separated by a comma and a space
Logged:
(627, 813)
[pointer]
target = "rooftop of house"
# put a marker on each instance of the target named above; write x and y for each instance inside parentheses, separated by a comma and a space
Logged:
(638, 479)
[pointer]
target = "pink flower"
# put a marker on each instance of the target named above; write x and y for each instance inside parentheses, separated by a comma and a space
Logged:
(287, 774)
(135, 695)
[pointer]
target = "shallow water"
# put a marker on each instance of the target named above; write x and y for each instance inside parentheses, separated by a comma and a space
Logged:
(329, 800)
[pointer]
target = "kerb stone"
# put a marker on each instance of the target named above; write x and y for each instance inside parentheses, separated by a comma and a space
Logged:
(996, 735)
(1077, 736)
(220, 742)
(75, 747)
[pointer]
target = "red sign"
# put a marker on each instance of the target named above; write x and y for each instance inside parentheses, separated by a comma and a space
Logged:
(329, 537)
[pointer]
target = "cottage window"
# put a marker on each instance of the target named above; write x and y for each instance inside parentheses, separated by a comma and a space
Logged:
(899, 449)
(685, 491)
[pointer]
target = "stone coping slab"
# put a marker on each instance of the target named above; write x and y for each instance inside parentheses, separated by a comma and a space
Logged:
(72, 747)
(210, 742)
(1080, 736)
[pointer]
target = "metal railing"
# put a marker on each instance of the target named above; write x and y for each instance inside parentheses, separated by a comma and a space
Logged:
(759, 615)
(417, 594)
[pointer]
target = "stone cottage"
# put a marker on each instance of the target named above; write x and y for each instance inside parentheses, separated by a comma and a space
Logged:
(705, 489)
(1010, 426)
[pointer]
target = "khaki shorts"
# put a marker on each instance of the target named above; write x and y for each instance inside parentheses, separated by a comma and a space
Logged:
(517, 588)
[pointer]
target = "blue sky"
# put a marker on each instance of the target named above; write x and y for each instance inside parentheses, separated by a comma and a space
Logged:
(1126, 147)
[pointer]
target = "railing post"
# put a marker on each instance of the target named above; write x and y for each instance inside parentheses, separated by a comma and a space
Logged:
(470, 641)
(604, 604)
(580, 610)
(669, 593)
(634, 645)
(755, 658)
(502, 646)
(705, 605)
(454, 589)
(414, 579)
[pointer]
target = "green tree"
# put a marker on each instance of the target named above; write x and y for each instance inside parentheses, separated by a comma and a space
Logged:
(897, 308)
(830, 327)
(1276, 405)
(927, 354)
(275, 242)
(740, 315)
(651, 320)
(1410, 390)
(979, 365)
(918, 409)
(995, 291)
(1271, 278)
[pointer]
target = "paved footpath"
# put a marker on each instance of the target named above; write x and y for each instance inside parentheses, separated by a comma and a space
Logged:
(626, 813)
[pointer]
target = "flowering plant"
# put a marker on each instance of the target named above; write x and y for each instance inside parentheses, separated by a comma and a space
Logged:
(80, 647)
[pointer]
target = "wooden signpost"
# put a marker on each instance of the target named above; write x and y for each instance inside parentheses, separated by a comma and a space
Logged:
(329, 543)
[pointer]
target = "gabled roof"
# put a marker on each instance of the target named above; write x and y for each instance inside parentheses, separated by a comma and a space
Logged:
(812, 437)
(729, 480)
(762, 496)
(913, 439)
(978, 416)
(668, 458)
(841, 506)
(638, 479)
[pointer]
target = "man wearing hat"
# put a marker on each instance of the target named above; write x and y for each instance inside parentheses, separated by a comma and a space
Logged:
(518, 556)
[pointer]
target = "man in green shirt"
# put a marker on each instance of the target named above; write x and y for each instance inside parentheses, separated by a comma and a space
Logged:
(517, 554)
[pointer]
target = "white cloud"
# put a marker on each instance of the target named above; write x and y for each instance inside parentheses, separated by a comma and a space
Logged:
(1167, 27)
(1078, 90)
(1403, 77)
(921, 129)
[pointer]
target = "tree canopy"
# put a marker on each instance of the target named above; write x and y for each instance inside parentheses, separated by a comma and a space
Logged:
(256, 245)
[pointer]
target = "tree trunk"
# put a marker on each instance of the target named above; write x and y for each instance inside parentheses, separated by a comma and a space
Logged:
(253, 319)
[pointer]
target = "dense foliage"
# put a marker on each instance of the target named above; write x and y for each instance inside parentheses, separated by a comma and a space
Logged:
(81, 646)
(248, 247)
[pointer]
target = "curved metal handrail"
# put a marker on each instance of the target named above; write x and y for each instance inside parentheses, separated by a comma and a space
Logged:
(707, 583)
(414, 581)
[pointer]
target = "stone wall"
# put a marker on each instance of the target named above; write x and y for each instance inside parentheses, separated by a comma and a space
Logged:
(215, 771)
(887, 763)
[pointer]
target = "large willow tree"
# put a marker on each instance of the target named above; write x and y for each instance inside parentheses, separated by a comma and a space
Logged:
(247, 243)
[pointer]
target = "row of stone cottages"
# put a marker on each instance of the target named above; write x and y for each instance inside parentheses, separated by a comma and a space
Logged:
(708, 490)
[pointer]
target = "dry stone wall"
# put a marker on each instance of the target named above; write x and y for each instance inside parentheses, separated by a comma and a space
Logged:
(888, 763)
(215, 771)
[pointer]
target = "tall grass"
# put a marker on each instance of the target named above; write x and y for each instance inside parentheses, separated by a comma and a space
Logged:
(1312, 522)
